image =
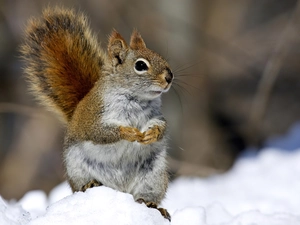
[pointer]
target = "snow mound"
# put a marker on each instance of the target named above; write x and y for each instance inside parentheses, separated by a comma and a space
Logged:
(99, 205)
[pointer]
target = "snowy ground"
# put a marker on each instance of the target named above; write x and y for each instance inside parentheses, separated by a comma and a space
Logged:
(260, 189)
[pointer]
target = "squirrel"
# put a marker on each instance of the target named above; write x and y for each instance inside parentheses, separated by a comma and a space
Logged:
(110, 103)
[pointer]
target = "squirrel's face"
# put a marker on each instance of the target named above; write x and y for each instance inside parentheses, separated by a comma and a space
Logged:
(140, 71)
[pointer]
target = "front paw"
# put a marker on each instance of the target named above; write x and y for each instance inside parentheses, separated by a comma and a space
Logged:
(151, 135)
(130, 134)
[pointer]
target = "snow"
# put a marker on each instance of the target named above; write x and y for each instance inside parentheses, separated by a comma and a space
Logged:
(266, 187)
(34, 202)
(13, 214)
(259, 190)
(100, 205)
(268, 183)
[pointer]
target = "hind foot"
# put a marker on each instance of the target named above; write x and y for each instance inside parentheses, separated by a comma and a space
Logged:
(162, 211)
(91, 184)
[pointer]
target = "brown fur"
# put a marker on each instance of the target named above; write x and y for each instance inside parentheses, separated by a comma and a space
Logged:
(136, 41)
(63, 60)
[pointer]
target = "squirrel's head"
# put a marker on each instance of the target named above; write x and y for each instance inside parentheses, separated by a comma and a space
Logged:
(141, 71)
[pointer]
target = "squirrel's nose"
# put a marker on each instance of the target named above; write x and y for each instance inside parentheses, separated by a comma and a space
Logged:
(169, 76)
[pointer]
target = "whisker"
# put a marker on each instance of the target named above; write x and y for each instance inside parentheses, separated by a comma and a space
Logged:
(185, 83)
(185, 67)
(179, 98)
(181, 68)
(186, 75)
(182, 89)
(175, 86)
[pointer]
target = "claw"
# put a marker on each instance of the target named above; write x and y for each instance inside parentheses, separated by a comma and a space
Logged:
(91, 184)
(162, 211)
(165, 213)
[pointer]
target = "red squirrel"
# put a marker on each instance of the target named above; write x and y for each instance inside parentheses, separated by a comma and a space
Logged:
(110, 103)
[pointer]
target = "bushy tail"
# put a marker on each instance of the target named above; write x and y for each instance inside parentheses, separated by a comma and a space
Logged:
(63, 59)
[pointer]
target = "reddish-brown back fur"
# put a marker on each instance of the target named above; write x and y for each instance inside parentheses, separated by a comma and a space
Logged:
(63, 59)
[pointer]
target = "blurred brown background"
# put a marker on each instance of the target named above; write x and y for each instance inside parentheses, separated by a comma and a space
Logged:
(236, 65)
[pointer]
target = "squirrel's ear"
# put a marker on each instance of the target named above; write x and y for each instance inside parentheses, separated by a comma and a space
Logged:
(136, 41)
(117, 47)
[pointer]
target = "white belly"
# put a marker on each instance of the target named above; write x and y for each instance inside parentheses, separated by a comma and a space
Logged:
(119, 166)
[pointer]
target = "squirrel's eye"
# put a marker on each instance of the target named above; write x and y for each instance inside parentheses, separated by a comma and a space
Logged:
(141, 66)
